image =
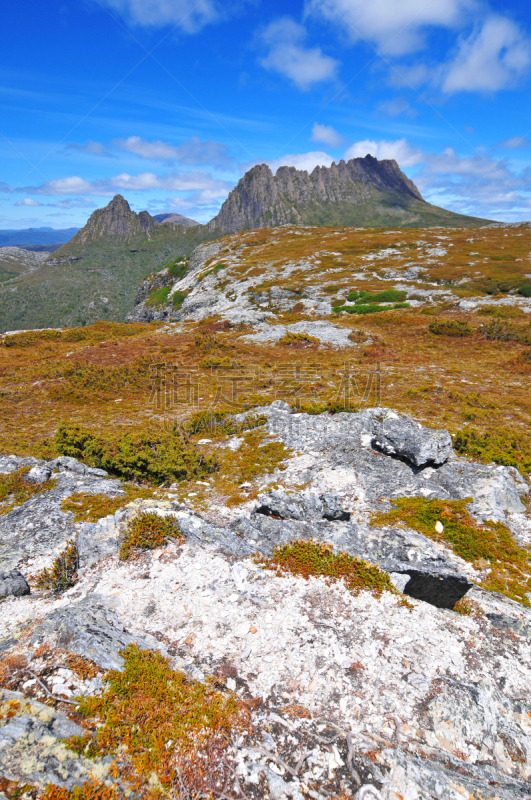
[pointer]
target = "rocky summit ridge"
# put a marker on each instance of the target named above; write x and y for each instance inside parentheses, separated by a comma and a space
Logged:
(359, 192)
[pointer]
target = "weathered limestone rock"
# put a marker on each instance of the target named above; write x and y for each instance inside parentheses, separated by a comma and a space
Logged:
(13, 584)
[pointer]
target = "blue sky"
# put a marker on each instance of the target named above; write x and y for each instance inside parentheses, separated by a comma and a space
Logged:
(169, 101)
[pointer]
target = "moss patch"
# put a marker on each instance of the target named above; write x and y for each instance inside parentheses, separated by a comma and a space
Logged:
(163, 727)
(158, 297)
(15, 489)
(489, 544)
(148, 531)
(318, 559)
(506, 446)
(92, 507)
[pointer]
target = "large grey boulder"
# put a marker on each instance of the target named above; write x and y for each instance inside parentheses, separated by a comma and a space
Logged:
(402, 437)
(13, 584)
(300, 506)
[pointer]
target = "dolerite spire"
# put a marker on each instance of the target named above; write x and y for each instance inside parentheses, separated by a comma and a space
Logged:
(116, 220)
(359, 192)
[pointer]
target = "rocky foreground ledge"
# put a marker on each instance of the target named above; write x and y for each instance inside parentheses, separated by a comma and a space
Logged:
(390, 696)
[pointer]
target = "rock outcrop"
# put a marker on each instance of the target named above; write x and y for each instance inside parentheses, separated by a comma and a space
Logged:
(371, 696)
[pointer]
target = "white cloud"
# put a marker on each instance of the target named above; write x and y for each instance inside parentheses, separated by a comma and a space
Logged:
(306, 161)
(189, 15)
(493, 58)
(516, 142)
(289, 56)
(193, 151)
(395, 26)
(327, 135)
(27, 202)
(91, 147)
(396, 107)
(400, 150)
(173, 182)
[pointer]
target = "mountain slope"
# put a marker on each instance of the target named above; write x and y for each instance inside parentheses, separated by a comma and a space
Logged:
(359, 192)
(94, 276)
(178, 219)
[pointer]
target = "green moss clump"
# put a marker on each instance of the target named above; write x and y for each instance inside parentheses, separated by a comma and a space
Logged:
(217, 268)
(525, 290)
(63, 574)
(148, 531)
(488, 544)
(161, 724)
(373, 308)
(451, 327)
(387, 296)
(177, 269)
(15, 490)
(178, 298)
(318, 559)
(158, 297)
(149, 454)
(506, 446)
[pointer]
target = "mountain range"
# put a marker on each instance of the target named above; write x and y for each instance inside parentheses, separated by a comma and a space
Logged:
(96, 274)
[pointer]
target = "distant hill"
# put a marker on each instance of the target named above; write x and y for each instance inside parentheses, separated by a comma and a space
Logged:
(362, 192)
(94, 276)
(178, 219)
(32, 236)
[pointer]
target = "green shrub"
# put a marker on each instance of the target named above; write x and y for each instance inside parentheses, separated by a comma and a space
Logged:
(149, 454)
(525, 290)
(178, 269)
(506, 446)
(148, 531)
(178, 299)
(451, 327)
(158, 297)
(63, 574)
(369, 309)
(500, 331)
(501, 312)
(215, 269)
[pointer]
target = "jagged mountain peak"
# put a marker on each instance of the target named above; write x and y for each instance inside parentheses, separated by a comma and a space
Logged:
(358, 192)
(118, 220)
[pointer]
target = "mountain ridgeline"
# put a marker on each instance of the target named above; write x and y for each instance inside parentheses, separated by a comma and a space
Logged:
(97, 273)
(360, 192)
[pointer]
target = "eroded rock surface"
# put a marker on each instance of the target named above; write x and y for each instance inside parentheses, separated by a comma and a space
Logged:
(416, 702)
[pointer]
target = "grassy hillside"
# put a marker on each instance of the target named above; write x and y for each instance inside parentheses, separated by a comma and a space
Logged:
(458, 356)
(100, 284)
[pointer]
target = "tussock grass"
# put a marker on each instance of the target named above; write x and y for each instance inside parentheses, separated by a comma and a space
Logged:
(451, 327)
